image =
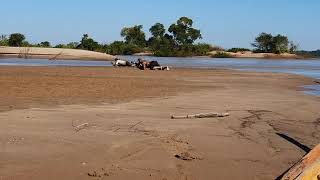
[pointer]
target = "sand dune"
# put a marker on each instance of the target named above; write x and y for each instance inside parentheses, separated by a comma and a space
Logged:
(53, 53)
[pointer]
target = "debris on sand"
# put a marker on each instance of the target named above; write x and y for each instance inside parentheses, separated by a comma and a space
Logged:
(94, 174)
(204, 115)
(80, 127)
(186, 157)
(15, 140)
(103, 173)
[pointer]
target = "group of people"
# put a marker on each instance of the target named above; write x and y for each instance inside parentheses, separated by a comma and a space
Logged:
(140, 64)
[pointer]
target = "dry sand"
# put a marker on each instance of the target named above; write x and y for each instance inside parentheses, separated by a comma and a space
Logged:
(147, 53)
(130, 135)
(52, 53)
(248, 54)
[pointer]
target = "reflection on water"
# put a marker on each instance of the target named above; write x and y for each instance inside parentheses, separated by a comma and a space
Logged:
(313, 89)
(310, 68)
(46, 62)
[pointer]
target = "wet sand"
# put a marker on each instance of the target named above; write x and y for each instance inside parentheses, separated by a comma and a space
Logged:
(127, 132)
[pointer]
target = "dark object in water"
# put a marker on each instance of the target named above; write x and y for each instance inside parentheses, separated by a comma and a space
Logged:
(153, 64)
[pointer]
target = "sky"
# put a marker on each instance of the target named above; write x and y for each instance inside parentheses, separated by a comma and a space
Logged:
(227, 23)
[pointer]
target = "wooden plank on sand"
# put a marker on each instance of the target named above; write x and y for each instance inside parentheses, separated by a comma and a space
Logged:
(204, 115)
(307, 168)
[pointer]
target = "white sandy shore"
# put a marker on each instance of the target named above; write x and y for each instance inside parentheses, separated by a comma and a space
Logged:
(249, 54)
(53, 53)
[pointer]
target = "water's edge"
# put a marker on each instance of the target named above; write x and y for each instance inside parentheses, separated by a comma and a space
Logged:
(308, 68)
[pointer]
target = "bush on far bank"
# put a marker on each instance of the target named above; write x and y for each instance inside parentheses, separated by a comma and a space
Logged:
(235, 50)
(4, 41)
(268, 43)
(16, 40)
(122, 48)
(222, 54)
(72, 45)
(202, 49)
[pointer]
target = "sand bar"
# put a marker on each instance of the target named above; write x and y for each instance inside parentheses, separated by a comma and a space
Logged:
(127, 131)
(53, 53)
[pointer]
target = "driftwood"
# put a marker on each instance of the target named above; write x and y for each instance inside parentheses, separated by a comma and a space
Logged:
(131, 127)
(80, 127)
(135, 125)
(306, 168)
(204, 115)
(56, 56)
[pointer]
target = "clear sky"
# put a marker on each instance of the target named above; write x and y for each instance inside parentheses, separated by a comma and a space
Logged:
(229, 23)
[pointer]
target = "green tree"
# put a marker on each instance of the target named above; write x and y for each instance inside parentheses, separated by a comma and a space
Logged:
(202, 49)
(235, 50)
(157, 30)
(4, 41)
(88, 43)
(72, 45)
(122, 48)
(267, 43)
(293, 47)
(45, 44)
(116, 48)
(280, 44)
(16, 39)
(134, 35)
(165, 46)
(263, 43)
(60, 46)
(183, 32)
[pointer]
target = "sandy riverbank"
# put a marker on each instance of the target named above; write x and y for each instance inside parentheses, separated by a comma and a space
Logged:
(76, 54)
(249, 54)
(52, 53)
(131, 136)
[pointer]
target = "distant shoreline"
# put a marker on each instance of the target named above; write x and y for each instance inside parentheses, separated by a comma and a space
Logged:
(77, 54)
(52, 54)
(241, 55)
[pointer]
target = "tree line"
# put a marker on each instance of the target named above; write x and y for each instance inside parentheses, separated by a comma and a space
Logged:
(179, 39)
(267, 43)
(309, 54)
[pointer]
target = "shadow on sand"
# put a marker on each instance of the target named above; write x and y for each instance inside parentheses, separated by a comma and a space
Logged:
(296, 143)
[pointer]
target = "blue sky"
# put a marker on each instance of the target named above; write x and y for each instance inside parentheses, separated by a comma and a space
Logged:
(229, 23)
